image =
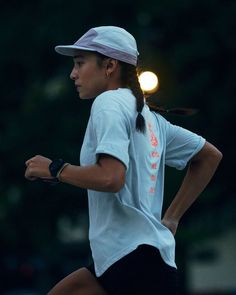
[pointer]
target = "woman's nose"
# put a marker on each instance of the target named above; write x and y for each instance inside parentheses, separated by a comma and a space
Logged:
(73, 74)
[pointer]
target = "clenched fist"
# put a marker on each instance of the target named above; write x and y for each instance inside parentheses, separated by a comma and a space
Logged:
(37, 167)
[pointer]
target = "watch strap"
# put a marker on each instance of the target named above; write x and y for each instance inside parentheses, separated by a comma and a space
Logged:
(61, 169)
(55, 166)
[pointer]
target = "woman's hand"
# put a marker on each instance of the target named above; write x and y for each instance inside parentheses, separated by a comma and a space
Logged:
(37, 167)
(171, 224)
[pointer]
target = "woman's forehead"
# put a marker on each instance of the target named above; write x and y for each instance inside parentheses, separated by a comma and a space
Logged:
(84, 54)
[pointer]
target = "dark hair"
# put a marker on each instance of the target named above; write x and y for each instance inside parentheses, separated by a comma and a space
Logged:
(129, 79)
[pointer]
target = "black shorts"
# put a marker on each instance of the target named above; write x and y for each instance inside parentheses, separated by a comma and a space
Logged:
(142, 271)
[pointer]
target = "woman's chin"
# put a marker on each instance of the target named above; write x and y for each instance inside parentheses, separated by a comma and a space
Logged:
(84, 97)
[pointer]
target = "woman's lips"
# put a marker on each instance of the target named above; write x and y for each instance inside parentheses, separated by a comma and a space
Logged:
(77, 87)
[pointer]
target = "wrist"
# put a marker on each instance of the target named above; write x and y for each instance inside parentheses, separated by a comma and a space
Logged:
(171, 224)
(60, 171)
(171, 217)
(173, 213)
(56, 167)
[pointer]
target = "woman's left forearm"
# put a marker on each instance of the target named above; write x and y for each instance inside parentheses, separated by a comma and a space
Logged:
(200, 171)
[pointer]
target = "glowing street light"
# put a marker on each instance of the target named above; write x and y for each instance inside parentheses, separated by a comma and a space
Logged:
(148, 82)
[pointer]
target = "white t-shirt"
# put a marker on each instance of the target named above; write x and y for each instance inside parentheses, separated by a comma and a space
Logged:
(119, 222)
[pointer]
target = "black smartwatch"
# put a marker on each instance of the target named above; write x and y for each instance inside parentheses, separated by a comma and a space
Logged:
(55, 166)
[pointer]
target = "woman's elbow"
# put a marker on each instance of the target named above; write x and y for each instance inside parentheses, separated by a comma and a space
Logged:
(208, 153)
(115, 183)
(219, 155)
(216, 155)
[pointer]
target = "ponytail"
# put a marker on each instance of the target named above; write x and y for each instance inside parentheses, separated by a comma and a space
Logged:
(129, 78)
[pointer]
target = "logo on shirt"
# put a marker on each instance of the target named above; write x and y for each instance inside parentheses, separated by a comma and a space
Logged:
(154, 156)
(154, 140)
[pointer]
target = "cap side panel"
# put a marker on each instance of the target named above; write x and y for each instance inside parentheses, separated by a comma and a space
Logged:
(110, 41)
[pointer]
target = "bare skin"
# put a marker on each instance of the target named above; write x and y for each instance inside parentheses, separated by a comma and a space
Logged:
(108, 174)
(201, 169)
(90, 79)
(80, 282)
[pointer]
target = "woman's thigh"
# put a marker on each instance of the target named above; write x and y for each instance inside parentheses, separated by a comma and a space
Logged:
(80, 282)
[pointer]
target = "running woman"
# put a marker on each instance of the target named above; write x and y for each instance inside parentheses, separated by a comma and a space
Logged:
(122, 163)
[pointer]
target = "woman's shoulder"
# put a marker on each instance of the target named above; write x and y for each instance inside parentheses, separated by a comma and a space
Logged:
(161, 121)
(116, 95)
(117, 100)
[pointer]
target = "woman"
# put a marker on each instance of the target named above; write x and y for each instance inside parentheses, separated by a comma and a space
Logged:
(124, 153)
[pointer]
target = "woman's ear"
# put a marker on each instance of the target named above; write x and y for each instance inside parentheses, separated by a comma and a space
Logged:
(111, 66)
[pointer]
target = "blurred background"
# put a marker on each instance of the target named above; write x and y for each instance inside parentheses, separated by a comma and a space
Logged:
(190, 45)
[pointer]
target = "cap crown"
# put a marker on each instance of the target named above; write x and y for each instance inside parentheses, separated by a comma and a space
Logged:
(114, 42)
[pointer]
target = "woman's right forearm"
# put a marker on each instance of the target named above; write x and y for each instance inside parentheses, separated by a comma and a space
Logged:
(107, 175)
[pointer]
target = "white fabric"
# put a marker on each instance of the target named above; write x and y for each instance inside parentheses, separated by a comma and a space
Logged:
(111, 41)
(119, 222)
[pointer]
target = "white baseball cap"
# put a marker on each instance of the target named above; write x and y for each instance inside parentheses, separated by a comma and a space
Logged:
(114, 42)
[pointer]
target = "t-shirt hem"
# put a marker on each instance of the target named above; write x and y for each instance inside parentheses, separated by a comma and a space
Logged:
(196, 150)
(119, 156)
(99, 271)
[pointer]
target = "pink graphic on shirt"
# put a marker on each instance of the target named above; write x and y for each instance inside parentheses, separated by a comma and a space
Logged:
(154, 140)
(154, 166)
(153, 177)
(152, 190)
(155, 154)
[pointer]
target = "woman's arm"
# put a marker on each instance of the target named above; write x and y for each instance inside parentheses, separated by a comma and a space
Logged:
(200, 171)
(107, 175)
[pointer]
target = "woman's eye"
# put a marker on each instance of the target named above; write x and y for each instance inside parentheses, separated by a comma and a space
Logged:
(79, 63)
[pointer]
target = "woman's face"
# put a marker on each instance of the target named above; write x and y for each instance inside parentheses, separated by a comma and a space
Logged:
(90, 78)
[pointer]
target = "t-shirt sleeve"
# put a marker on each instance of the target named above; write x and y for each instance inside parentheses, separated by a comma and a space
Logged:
(111, 133)
(181, 146)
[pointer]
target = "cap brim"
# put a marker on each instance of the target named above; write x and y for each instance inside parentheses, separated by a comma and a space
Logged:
(70, 50)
